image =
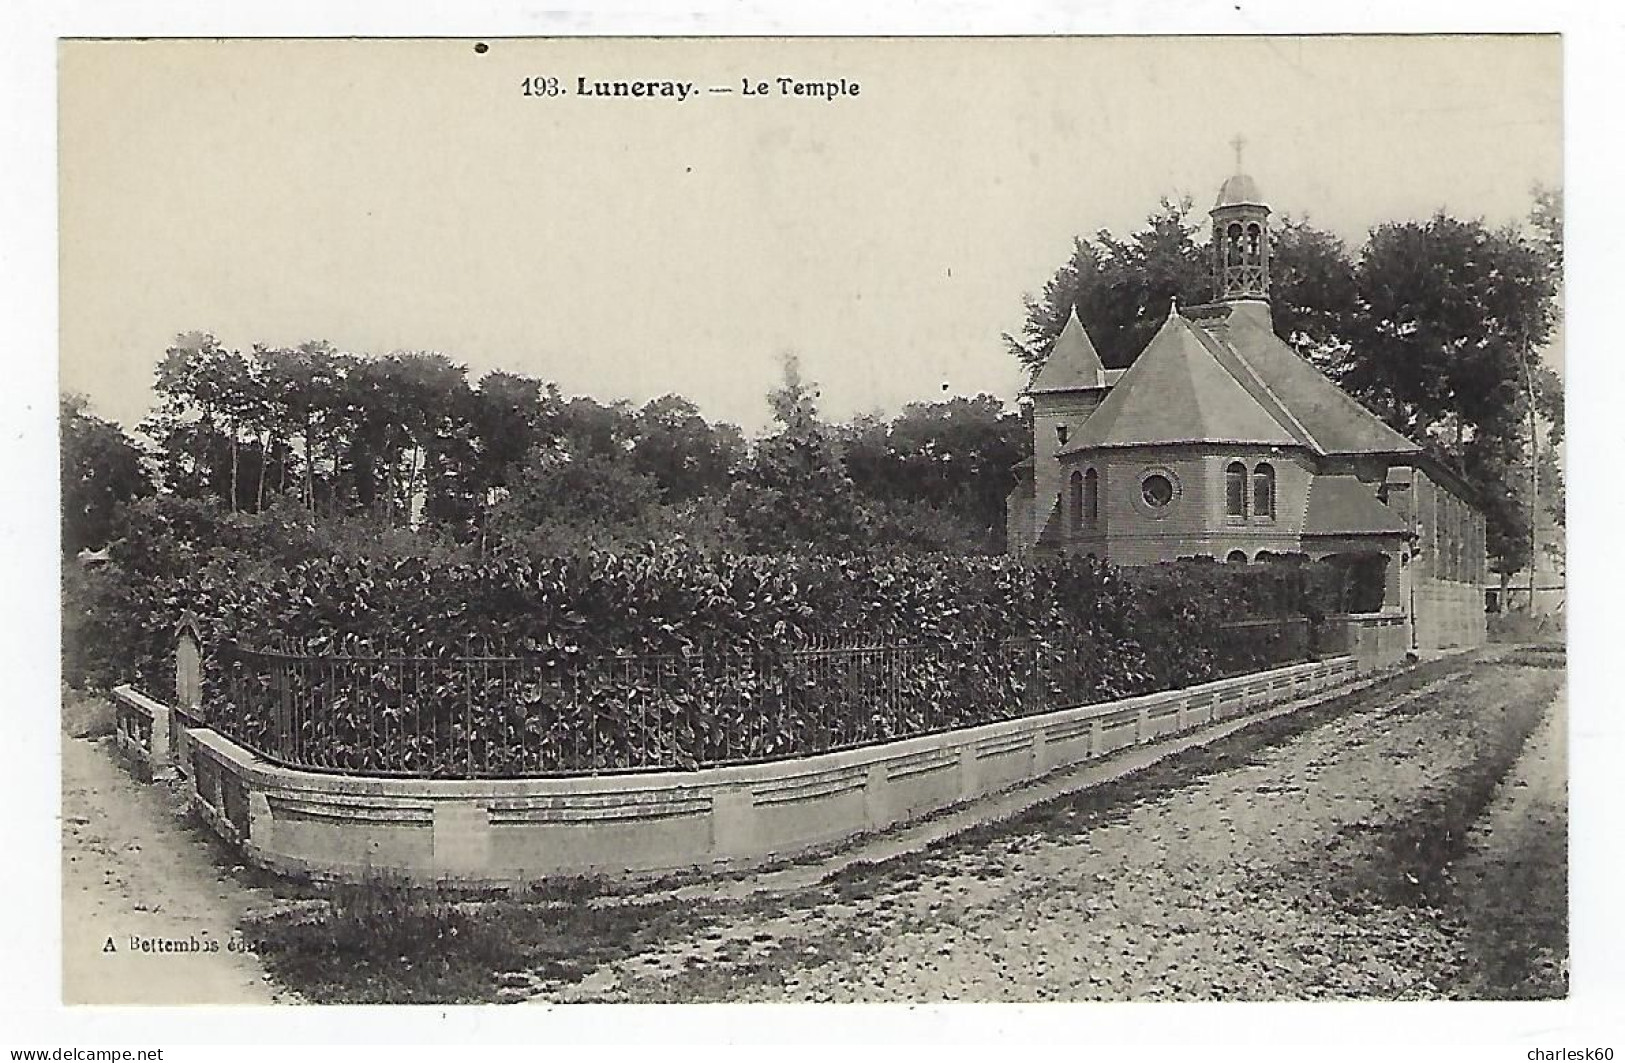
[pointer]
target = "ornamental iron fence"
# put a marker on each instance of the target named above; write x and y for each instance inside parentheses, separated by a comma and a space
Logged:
(485, 713)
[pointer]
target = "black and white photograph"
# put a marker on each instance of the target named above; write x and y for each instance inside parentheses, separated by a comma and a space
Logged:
(828, 520)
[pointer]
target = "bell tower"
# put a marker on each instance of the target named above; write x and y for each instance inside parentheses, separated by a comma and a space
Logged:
(1241, 246)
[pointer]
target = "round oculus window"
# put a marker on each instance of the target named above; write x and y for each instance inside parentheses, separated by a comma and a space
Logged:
(1157, 490)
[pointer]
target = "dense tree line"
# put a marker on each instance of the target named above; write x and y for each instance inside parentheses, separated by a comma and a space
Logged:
(406, 444)
(103, 471)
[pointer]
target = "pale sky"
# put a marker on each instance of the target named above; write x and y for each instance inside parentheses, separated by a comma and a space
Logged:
(405, 195)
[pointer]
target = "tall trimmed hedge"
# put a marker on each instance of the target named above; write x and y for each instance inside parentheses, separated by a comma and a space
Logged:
(1082, 631)
(671, 600)
(674, 600)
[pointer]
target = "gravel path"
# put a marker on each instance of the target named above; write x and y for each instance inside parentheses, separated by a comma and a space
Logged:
(132, 869)
(1245, 884)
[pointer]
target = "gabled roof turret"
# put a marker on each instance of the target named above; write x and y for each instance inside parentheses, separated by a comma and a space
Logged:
(1073, 364)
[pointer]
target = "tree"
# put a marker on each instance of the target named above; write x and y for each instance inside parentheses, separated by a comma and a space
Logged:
(511, 413)
(185, 423)
(437, 453)
(943, 466)
(412, 453)
(1313, 296)
(1448, 312)
(561, 503)
(1546, 219)
(686, 455)
(1444, 346)
(1121, 288)
(102, 472)
(795, 494)
(307, 397)
(234, 387)
(585, 426)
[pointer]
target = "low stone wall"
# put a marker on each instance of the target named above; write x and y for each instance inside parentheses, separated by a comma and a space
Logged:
(142, 730)
(1378, 640)
(505, 832)
(184, 723)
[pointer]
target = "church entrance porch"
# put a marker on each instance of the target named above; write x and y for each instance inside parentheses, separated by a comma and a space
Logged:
(1381, 630)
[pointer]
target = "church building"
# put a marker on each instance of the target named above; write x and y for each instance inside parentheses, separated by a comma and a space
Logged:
(1221, 441)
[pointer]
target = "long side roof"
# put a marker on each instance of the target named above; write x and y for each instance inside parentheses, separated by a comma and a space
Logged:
(1338, 423)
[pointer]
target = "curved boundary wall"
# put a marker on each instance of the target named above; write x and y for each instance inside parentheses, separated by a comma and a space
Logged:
(516, 831)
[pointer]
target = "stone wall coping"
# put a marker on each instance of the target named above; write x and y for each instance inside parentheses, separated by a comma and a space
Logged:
(265, 774)
(140, 702)
(1382, 616)
(150, 751)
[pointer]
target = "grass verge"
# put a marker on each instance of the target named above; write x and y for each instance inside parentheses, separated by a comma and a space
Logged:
(381, 942)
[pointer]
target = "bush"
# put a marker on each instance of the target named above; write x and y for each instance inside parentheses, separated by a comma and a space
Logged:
(176, 557)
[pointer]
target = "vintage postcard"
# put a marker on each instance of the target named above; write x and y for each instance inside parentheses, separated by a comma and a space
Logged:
(839, 520)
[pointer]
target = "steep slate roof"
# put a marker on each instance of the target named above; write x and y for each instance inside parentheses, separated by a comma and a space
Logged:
(1338, 423)
(1342, 505)
(1178, 392)
(1252, 383)
(1227, 378)
(1073, 362)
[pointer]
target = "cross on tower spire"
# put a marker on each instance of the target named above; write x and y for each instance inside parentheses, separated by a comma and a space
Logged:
(1241, 251)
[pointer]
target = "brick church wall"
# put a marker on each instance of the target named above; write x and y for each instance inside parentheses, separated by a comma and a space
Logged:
(1133, 533)
(1195, 524)
(1051, 411)
(1449, 572)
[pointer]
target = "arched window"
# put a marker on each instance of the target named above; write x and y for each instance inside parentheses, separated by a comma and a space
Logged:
(1254, 240)
(1236, 557)
(1091, 498)
(1074, 504)
(1235, 490)
(1234, 251)
(1264, 492)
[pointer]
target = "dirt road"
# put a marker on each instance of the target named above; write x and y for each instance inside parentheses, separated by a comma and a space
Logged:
(1318, 867)
(139, 889)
